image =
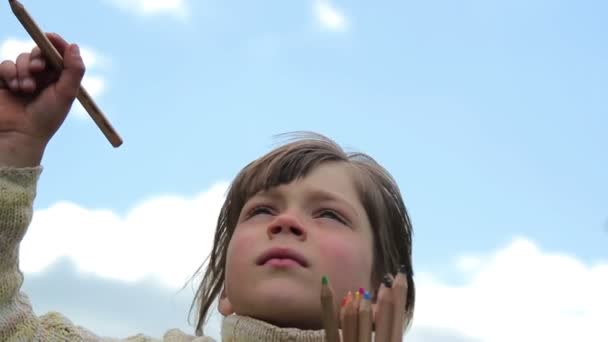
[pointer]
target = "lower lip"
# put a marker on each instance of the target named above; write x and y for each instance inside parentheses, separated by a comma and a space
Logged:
(282, 263)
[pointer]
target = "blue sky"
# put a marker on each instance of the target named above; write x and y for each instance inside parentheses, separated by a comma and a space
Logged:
(491, 116)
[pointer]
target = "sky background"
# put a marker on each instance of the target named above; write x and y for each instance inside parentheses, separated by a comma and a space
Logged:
(491, 115)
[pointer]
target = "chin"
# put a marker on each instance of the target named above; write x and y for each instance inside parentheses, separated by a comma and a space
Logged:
(286, 305)
(282, 293)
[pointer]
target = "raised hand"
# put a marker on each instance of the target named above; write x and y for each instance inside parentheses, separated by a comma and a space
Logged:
(35, 100)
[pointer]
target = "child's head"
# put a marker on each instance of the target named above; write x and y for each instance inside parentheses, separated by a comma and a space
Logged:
(341, 213)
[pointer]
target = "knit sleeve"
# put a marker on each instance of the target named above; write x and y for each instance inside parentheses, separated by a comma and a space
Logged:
(17, 319)
(17, 192)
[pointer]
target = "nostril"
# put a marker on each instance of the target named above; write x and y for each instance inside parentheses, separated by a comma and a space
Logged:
(296, 231)
(275, 230)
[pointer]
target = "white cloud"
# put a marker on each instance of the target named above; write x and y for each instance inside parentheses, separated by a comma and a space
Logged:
(329, 17)
(517, 293)
(11, 48)
(177, 8)
(164, 238)
(94, 83)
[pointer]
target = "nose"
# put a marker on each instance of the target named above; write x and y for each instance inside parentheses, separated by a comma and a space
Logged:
(286, 224)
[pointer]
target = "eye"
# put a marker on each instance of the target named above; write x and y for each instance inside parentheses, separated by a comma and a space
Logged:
(333, 215)
(260, 210)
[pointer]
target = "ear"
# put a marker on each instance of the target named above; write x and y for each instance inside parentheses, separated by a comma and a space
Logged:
(224, 305)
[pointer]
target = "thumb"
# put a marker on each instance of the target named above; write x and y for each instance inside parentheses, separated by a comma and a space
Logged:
(73, 71)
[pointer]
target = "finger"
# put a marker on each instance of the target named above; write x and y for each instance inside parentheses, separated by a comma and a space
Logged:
(8, 74)
(37, 65)
(36, 52)
(60, 45)
(26, 82)
(68, 84)
(37, 61)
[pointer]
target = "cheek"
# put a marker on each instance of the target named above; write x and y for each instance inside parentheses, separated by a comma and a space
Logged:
(239, 250)
(349, 261)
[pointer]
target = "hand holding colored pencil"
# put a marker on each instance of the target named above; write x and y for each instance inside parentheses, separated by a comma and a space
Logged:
(357, 319)
(55, 59)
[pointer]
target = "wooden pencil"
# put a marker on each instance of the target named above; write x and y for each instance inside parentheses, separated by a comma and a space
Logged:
(349, 329)
(355, 315)
(384, 313)
(53, 56)
(342, 314)
(330, 317)
(399, 291)
(365, 319)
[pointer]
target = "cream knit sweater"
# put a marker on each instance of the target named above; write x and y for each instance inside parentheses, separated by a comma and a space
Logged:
(19, 323)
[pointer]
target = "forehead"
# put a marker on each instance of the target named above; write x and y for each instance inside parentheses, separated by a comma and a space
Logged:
(331, 180)
(332, 177)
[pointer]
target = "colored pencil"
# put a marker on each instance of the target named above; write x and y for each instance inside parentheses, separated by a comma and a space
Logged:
(330, 317)
(365, 319)
(399, 291)
(349, 329)
(384, 313)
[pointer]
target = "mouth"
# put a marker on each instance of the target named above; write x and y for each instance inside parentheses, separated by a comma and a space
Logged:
(281, 257)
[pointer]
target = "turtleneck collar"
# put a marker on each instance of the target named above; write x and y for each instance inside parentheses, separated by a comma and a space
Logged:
(237, 328)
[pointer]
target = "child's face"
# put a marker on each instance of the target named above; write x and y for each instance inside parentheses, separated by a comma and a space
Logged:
(320, 218)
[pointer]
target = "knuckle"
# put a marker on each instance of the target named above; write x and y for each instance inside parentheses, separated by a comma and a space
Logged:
(7, 69)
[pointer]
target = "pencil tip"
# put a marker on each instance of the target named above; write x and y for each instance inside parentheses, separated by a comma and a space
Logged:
(324, 280)
(388, 282)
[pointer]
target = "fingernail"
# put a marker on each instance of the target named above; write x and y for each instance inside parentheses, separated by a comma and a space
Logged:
(76, 49)
(402, 269)
(37, 62)
(27, 83)
(388, 282)
(14, 83)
